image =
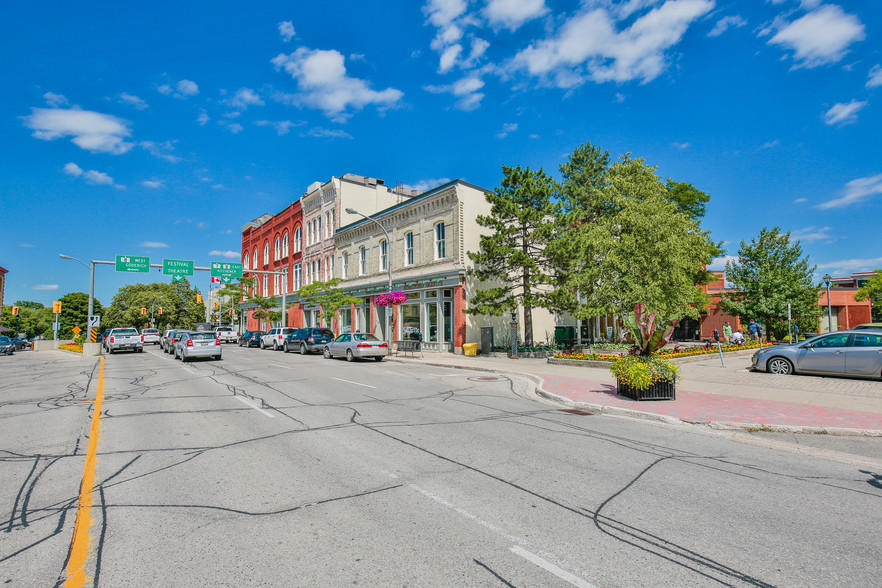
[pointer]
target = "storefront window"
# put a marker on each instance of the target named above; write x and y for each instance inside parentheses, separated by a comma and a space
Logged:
(410, 321)
(448, 321)
(346, 320)
(432, 322)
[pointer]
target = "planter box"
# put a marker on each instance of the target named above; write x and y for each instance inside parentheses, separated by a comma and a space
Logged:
(664, 390)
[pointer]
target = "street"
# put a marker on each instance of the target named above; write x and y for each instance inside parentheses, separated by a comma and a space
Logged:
(267, 468)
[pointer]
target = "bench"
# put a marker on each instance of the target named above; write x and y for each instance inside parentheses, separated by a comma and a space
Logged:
(409, 346)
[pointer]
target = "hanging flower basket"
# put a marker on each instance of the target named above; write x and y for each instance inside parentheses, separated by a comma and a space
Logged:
(390, 298)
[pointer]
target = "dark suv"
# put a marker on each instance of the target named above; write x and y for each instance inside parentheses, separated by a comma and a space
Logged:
(250, 339)
(308, 340)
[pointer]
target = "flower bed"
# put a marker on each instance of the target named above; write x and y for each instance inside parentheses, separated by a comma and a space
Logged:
(72, 347)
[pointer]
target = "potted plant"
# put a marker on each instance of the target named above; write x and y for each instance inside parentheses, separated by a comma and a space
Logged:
(643, 374)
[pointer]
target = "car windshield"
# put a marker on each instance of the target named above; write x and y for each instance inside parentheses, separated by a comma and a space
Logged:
(5, 340)
(364, 337)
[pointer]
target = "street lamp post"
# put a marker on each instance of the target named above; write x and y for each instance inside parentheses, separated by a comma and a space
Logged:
(388, 266)
(91, 269)
(827, 279)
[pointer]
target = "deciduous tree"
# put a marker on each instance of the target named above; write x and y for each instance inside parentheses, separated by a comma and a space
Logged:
(328, 296)
(872, 291)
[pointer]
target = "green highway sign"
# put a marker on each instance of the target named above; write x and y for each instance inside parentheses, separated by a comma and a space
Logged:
(178, 278)
(131, 263)
(177, 267)
(222, 269)
(226, 279)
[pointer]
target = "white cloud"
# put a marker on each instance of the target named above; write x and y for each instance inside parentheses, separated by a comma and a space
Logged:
(161, 150)
(243, 98)
(234, 128)
(282, 126)
(590, 44)
(182, 89)
(230, 254)
(800, 200)
(153, 245)
(53, 99)
(321, 133)
(506, 129)
(720, 262)
(286, 29)
(856, 191)
(131, 100)
(93, 177)
(843, 114)
(725, 23)
(466, 89)
(26, 245)
(323, 83)
(424, 185)
(156, 185)
(770, 144)
(448, 58)
(820, 37)
(812, 234)
(847, 266)
(45, 287)
(874, 79)
(92, 131)
(680, 146)
(202, 118)
(511, 14)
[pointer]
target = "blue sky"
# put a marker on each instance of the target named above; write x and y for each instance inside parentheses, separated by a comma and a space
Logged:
(168, 126)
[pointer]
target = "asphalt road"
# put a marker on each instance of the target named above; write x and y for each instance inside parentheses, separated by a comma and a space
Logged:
(273, 469)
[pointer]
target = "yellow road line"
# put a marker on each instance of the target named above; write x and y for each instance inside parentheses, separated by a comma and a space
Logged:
(79, 550)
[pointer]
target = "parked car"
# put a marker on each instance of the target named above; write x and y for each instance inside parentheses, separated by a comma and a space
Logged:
(151, 336)
(873, 326)
(21, 343)
(172, 339)
(102, 336)
(227, 334)
(7, 345)
(356, 345)
(120, 339)
(844, 353)
(250, 339)
(193, 344)
(163, 340)
(275, 338)
(308, 340)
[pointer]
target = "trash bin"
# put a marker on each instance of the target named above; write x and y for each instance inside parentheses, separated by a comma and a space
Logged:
(470, 349)
(486, 340)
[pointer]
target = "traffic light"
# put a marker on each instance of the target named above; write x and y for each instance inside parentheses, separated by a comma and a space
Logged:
(199, 298)
(14, 310)
(231, 312)
(159, 310)
(56, 306)
(143, 310)
(216, 305)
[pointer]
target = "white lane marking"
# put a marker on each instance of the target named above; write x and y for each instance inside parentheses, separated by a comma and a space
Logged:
(287, 367)
(547, 565)
(356, 383)
(163, 355)
(254, 406)
(550, 567)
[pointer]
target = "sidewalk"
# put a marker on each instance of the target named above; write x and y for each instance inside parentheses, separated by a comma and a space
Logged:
(725, 398)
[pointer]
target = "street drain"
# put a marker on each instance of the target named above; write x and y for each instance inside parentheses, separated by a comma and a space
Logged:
(485, 379)
(576, 411)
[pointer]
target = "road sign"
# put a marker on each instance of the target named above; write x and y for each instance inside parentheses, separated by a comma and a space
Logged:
(226, 279)
(56, 306)
(94, 321)
(130, 263)
(178, 278)
(76, 330)
(220, 269)
(388, 311)
(177, 267)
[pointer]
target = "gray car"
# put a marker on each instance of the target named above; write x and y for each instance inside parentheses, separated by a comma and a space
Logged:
(845, 353)
(192, 344)
(356, 345)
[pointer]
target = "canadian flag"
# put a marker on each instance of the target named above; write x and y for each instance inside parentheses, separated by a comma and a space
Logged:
(215, 280)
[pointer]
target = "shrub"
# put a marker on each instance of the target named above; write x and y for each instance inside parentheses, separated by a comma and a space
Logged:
(642, 371)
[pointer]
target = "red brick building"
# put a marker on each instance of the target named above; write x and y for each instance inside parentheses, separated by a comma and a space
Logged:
(845, 311)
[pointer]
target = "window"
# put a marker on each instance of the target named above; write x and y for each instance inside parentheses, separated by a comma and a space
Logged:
(345, 268)
(297, 277)
(265, 285)
(319, 232)
(867, 341)
(254, 259)
(333, 219)
(831, 341)
(362, 261)
(328, 226)
(285, 245)
(308, 275)
(278, 250)
(440, 245)
(328, 274)
(384, 250)
(318, 270)
(408, 249)
(331, 264)
(297, 240)
(266, 253)
(245, 261)
(276, 284)
(309, 233)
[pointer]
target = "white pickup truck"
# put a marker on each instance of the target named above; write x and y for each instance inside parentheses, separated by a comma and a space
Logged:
(227, 335)
(119, 339)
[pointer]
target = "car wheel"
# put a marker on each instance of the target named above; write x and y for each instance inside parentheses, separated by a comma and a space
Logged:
(275, 346)
(378, 358)
(262, 346)
(110, 350)
(303, 350)
(217, 357)
(327, 353)
(780, 366)
(184, 357)
(285, 348)
(349, 356)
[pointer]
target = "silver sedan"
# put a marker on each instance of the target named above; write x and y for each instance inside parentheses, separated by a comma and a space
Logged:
(356, 345)
(846, 353)
(192, 344)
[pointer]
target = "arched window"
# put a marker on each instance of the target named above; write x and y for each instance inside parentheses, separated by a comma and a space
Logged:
(384, 252)
(278, 250)
(245, 261)
(440, 242)
(298, 236)
(319, 233)
(345, 268)
(254, 260)
(285, 245)
(362, 261)
(266, 258)
(265, 285)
